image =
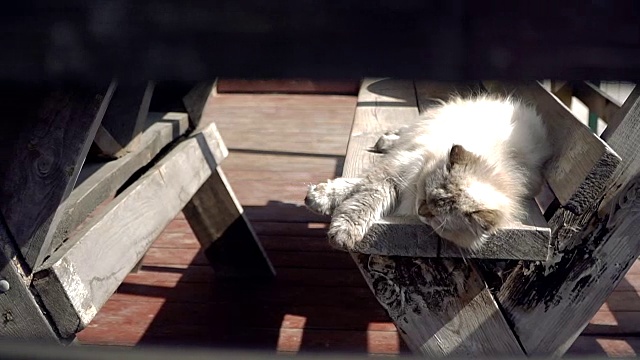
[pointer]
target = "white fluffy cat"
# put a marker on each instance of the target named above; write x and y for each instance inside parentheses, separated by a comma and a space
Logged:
(465, 168)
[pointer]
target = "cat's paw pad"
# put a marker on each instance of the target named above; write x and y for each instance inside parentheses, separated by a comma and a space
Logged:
(318, 199)
(343, 235)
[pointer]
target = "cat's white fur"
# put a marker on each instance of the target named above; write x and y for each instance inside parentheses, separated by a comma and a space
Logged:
(465, 168)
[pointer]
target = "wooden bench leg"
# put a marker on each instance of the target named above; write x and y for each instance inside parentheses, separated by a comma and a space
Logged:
(216, 216)
(441, 307)
(228, 240)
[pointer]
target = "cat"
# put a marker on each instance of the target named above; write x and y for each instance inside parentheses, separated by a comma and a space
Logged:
(466, 168)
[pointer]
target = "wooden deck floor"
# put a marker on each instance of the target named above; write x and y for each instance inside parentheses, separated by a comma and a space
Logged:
(319, 301)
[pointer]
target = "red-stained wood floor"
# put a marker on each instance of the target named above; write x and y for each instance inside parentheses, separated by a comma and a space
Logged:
(319, 301)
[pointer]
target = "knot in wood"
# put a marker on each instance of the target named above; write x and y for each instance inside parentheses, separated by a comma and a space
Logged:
(44, 163)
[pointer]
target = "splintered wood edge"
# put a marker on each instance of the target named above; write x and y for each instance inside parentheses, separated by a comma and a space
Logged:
(83, 273)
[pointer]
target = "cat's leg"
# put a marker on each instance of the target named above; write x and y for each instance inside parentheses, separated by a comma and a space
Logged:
(372, 199)
(323, 198)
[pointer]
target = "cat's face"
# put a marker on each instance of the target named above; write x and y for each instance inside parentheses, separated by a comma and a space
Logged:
(456, 201)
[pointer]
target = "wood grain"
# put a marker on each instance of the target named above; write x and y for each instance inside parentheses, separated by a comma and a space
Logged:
(99, 181)
(125, 119)
(80, 276)
(50, 136)
(441, 307)
(582, 164)
(597, 249)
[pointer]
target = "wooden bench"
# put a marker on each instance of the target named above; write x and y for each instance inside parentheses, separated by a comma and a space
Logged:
(512, 297)
(74, 226)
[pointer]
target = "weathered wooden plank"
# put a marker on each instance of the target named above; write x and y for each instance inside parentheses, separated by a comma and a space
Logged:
(383, 104)
(582, 164)
(53, 129)
(441, 307)
(225, 233)
(99, 181)
(594, 252)
(125, 119)
(595, 99)
(216, 216)
(80, 276)
(21, 316)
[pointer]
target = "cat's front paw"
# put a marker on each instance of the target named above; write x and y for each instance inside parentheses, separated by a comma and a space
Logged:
(386, 141)
(343, 234)
(318, 200)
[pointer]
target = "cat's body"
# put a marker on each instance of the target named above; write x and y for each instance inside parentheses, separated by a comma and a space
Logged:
(465, 168)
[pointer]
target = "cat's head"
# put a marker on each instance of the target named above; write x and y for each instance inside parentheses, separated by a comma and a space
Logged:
(459, 197)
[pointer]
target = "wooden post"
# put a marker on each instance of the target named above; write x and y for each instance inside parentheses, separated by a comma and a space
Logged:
(216, 216)
(46, 134)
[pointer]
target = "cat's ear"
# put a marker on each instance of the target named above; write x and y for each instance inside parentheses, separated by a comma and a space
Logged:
(487, 219)
(458, 155)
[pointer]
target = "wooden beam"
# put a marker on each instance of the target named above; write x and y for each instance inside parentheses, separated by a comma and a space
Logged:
(216, 216)
(20, 315)
(595, 250)
(225, 233)
(441, 307)
(43, 151)
(125, 119)
(80, 277)
(99, 181)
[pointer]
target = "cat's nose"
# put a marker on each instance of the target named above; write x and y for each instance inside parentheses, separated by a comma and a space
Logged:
(423, 210)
